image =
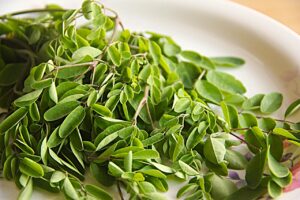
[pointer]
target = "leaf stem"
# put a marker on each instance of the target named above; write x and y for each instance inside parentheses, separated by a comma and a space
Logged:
(202, 74)
(278, 120)
(31, 11)
(242, 139)
(149, 114)
(141, 105)
(73, 65)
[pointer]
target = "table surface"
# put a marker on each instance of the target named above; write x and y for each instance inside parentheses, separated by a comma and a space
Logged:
(284, 11)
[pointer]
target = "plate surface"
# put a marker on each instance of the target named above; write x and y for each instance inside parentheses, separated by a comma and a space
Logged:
(214, 28)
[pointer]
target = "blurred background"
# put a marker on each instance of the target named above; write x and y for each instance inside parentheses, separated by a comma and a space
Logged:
(284, 11)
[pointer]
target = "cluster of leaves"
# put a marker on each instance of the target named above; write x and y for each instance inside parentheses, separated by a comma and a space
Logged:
(132, 108)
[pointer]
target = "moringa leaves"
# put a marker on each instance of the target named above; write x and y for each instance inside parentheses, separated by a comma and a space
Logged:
(86, 51)
(134, 109)
(31, 168)
(28, 99)
(208, 91)
(72, 121)
(271, 102)
(12, 119)
(225, 82)
(214, 150)
(60, 110)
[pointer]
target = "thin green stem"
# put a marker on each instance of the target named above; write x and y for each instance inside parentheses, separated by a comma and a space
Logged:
(31, 11)
(73, 65)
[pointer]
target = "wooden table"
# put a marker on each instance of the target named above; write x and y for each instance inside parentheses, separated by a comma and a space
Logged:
(284, 11)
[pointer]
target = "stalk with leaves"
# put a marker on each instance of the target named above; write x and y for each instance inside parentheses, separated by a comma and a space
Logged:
(133, 109)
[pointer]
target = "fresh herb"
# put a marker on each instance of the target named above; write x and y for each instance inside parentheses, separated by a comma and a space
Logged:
(133, 109)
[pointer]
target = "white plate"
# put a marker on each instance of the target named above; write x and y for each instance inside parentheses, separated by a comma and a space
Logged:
(214, 28)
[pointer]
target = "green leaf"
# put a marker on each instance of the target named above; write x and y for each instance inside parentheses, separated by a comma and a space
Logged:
(197, 59)
(114, 169)
(188, 73)
(34, 112)
(102, 110)
(182, 105)
(154, 173)
(274, 189)
(86, 51)
(70, 72)
(235, 160)
(227, 61)
(225, 82)
(108, 131)
(230, 115)
(259, 135)
(255, 169)
(271, 102)
(128, 162)
(171, 49)
(283, 182)
(267, 124)
(42, 84)
(97, 192)
(60, 110)
(214, 150)
(78, 155)
(208, 91)
(276, 168)
(276, 146)
(146, 187)
(247, 120)
(44, 151)
(163, 168)
(293, 107)
(54, 139)
(92, 99)
(160, 184)
(90, 9)
(114, 54)
(13, 119)
(53, 93)
(253, 103)
(69, 189)
(186, 189)
(105, 141)
(187, 169)
(153, 139)
(11, 73)
(26, 192)
(155, 52)
(247, 193)
(179, 147)
(72, 121)
(284, 133)
(31, 168)
(100, 173)
(196, 135)
(221, 187)
(156, 196)
(57, 176)
(145, 154)
(28, 99)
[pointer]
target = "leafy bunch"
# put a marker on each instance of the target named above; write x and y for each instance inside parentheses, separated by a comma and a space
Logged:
(133, 109)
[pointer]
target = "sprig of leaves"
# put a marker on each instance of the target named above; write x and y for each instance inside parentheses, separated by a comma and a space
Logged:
(133, 109)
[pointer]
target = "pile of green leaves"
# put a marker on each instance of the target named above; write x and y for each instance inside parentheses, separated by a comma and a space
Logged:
(131, 108)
